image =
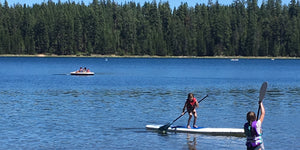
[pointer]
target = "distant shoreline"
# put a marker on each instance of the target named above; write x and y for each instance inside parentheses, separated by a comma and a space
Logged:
(148, 56)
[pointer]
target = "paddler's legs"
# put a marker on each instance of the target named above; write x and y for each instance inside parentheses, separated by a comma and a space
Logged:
(195, 118)
(190, 117)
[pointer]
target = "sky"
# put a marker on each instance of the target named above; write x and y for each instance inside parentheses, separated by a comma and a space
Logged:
(173, 3)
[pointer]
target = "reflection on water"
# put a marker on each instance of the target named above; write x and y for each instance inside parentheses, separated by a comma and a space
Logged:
(191, 141)
(201, 141)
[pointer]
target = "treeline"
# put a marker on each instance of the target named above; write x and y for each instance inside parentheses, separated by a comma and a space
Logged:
(105, 27)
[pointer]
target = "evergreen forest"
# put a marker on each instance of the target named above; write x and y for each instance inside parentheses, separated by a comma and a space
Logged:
(105, 27)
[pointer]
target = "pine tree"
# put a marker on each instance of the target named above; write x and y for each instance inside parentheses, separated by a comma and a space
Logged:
(252, 40)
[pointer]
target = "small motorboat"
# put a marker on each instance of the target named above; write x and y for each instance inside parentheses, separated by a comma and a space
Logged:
(82, 73)
(234, 59)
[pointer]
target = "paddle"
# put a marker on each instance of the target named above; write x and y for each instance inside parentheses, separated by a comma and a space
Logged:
(165, 127)
(262, 94)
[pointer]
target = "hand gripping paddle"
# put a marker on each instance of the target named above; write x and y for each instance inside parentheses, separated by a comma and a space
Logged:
(262, 94)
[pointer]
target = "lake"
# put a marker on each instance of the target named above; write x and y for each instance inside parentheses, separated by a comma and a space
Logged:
(43, 107)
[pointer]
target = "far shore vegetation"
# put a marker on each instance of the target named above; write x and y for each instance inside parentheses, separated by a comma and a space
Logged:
(234, 58)
(105, 28)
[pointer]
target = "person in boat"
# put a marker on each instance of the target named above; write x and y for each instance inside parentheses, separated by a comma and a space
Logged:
(80, 70)
(190, 105)
(88, 70)
(253, 130)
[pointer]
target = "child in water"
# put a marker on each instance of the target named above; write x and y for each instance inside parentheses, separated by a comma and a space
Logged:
(191, 104)
(253, 130)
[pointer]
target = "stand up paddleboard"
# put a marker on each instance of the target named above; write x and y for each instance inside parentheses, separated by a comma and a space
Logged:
(202, 130)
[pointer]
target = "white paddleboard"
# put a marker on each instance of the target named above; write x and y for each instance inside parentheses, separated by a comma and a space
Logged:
(203, 130)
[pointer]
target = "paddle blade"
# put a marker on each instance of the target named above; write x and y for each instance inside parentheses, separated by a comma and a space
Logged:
(262, 91)
(164, 127)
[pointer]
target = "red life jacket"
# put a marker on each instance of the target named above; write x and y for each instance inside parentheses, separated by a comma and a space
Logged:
(191, 104)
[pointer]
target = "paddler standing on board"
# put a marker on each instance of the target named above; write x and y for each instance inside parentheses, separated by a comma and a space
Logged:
(191, 104)
(253, 130)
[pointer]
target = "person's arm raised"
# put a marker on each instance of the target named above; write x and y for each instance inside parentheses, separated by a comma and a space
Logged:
(262, 116)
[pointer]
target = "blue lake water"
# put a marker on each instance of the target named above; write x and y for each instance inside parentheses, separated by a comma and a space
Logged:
(43, 107)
